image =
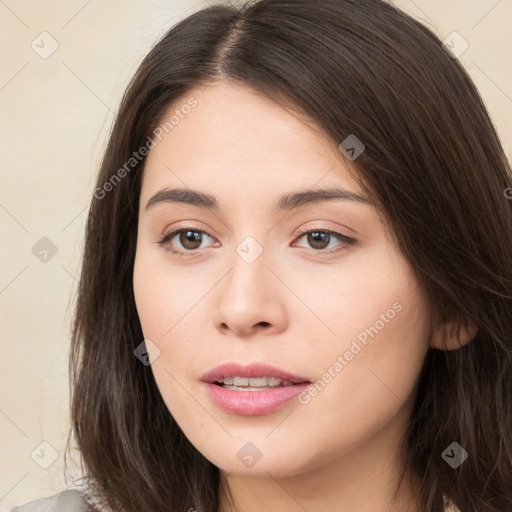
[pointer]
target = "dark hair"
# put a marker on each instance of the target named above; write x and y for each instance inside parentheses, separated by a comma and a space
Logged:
(433, 165)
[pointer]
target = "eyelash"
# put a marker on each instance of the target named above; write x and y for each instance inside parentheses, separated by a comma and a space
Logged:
(348, 241)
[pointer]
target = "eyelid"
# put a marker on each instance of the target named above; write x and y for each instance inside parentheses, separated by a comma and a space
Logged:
(322, 229)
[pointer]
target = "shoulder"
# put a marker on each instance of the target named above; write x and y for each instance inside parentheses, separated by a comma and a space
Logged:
(69, 500)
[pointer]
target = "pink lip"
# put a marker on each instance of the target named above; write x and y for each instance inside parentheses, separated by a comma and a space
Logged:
(252, 403)
(252, 370)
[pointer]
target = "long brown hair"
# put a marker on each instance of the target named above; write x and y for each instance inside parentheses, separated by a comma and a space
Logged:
(434, 166)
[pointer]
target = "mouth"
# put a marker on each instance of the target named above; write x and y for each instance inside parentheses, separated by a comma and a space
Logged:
(238, 383)
(253, 377)
(253, 390)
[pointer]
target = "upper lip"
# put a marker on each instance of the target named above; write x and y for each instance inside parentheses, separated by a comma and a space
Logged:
(252, 370)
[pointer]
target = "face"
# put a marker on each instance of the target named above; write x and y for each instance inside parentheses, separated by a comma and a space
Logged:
(314, 289)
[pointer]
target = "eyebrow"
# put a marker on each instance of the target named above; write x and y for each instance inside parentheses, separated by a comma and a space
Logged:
(286, 202)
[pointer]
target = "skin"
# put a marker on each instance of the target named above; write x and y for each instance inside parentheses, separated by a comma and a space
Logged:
(339, 451)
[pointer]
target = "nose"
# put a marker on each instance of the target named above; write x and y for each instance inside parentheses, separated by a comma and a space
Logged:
(251, 299)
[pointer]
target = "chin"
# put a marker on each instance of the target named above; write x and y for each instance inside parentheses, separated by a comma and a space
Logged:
(248, 460)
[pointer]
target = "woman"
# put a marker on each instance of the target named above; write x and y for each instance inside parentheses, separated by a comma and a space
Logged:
(296, 286)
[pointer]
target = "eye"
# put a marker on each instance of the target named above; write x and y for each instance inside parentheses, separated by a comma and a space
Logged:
(320, 239)
(189, 237)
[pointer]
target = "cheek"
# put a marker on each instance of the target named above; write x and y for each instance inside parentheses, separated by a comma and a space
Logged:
(162, 303)
(344, 299)
(375, 337)
(364, 386)
(170, 305)
(148, 297)
(164, 295)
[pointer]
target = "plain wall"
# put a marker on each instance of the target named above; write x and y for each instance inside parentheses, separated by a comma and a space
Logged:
(55, 115)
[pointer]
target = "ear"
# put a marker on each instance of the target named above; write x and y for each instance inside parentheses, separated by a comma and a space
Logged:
(455, 335)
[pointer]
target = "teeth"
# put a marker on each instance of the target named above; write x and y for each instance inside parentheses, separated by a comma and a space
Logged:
(274, 381)
(254, 382)
(244, 388)
(241, 381)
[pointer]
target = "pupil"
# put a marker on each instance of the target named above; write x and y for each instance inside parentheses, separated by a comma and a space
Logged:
(317, 237)
(190, 237)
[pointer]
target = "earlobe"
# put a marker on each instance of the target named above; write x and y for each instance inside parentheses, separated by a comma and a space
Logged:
(455, 336)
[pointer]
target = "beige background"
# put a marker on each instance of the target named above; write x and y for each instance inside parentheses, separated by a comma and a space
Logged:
(55, 114)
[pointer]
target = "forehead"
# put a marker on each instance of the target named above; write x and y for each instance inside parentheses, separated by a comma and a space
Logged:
(235, 138)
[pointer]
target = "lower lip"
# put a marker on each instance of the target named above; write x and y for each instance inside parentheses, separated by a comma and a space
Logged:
(254, 403)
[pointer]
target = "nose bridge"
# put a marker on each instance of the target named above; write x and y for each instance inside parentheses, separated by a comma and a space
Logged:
(249, 294)
(252, 247)
(249, 266)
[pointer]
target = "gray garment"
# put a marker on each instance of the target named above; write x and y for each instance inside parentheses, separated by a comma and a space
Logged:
(69, 500)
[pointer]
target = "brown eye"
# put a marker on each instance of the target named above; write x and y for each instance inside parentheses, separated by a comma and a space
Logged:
(190, 240)
(318, 239)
